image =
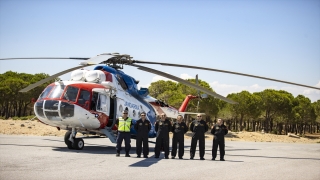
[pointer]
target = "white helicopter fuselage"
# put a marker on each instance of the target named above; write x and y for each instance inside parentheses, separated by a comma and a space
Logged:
(88, 106)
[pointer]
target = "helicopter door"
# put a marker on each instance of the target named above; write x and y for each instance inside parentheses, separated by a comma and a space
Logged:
(103, 104)
(106, 105)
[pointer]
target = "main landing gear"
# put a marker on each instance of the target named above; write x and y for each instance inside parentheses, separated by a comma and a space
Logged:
(72, 142)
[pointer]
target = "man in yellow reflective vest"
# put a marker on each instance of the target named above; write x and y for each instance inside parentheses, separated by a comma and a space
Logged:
(124, 125)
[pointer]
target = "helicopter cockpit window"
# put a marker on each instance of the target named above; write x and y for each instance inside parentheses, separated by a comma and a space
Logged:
(45, 93)
(57, 91)
(94, 101)
(84, 98)
(71, 93)
(122, 83)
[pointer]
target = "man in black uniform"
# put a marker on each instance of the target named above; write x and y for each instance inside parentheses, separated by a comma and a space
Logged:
(163, 127)
(199, 127)
(218, 130)
(179, 128)
(142, 127)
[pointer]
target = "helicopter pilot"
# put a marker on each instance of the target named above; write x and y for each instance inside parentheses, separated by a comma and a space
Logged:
(218, 130)
(142, 127)
(163, 127)
(179, 128)
(199, 127)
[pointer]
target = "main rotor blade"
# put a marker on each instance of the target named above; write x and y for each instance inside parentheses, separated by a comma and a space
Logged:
(75, 58)
(223, 71)
(183, 82)
(31, 86)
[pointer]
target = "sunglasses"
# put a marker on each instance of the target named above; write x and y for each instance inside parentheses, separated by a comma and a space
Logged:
(125, 113)
(199, 116)
(143, 115)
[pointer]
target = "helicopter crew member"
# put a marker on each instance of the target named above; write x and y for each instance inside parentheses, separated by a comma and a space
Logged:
(124, 125)
(199, 127)
(219, 130)
(142, 127)
(162, 127)
(179, 128)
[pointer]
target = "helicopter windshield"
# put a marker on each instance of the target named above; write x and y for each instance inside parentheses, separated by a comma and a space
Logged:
(45, 93)
(57, 91)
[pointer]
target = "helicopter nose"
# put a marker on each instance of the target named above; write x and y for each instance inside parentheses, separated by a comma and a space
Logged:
(54, 109)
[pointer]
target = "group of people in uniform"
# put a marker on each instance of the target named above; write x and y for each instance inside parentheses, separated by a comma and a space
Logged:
(163, 127)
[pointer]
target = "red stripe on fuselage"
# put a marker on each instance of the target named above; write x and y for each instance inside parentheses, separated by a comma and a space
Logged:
(157, 107)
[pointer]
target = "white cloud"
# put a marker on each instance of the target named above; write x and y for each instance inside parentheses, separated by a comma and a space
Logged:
(158, 78)
(225, 89)
(186, 76)
(309, 91)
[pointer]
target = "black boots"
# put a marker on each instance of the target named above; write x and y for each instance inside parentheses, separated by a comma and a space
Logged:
(118, 154)
(127, 154)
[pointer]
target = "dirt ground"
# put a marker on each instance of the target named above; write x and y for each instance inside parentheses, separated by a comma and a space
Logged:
(36, 128)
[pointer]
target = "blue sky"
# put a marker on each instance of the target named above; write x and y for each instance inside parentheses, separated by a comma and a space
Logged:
(277, 39)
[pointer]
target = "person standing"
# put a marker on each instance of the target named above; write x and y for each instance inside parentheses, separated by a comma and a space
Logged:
(219, 130)
(162, 127)
(142, 127)
(124, 126)
(199, 127)
(179, 128)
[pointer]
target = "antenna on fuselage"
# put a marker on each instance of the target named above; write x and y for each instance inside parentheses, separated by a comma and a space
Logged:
(198, 93)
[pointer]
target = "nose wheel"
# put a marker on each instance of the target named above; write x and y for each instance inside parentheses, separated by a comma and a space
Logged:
(78, 143)
(72, 142)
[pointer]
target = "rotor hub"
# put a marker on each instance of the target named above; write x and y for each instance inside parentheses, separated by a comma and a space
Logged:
(118, 60)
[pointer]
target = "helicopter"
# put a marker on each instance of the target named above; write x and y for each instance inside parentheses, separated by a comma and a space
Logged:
(92, 100)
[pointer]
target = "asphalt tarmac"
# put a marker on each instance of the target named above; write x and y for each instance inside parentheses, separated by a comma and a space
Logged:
(47, 157)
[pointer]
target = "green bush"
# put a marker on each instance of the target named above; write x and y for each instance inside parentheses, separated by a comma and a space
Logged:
(32, 117)
(274, 131)
(15, 118)
(24, 118)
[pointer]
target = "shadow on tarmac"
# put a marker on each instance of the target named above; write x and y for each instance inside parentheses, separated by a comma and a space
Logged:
(88, 149)
(146, 162)
(98, 150)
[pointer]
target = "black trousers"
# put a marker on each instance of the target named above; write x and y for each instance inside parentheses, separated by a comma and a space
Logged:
(218, 142)
(126, 136)
(175, 141)
(142, 140)
(159, 142)
(194, 145)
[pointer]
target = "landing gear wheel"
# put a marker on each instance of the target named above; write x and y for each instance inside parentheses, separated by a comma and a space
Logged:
(66, 140)
(78, 143)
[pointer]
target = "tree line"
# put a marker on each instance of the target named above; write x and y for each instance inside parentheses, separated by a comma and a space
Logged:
(14, 103)
(275, 111)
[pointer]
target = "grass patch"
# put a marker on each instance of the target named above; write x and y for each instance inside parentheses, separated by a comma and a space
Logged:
(21, 118)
